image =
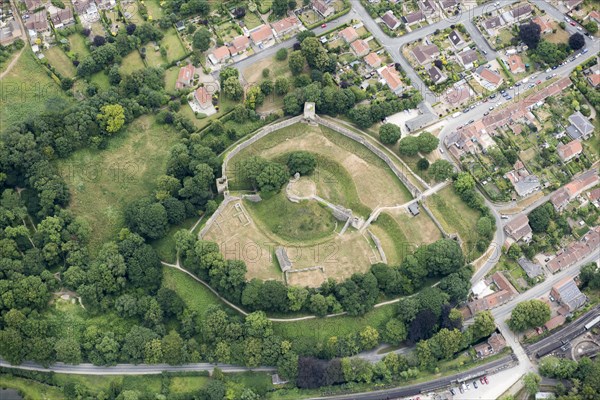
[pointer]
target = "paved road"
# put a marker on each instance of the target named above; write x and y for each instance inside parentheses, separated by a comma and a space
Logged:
(130, 369)
(432, 385)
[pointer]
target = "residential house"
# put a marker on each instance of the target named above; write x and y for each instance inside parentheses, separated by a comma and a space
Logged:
(219, 55)
(391, 78)
(532, 269)
(10, 32)
(523, 182)
(457, 95)
(106, 4)
(505, 293)
(373, 60)
(413, 208)
(203, 98)
(425, 53)
(428, 7)
(572, 4)
(521, 12)
(490, 79)
(519, 229)
(239, 45)
(286, 26)
(516, 64)
(568, 151)
(587, 180)
(594, 196)
(436, 75)
(349, 34)
(185, 77)
(323, 8)
(577, 251)
(360, 48)
(38, 22)
(87, 10)
(568, 294)
(554, 323)
(390, 20)
(61, 17)
(456, 40)
(32, 5)
(468, 58)
(413, 18)
(261, 35)
(594, 79)
(493, 345)
(447, 4)
(492, 24)
(544, 24)
(594, 16)
(580, 128)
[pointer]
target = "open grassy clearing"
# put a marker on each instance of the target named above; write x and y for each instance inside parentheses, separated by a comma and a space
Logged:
(101, 80)
(26, 90)
(102, 182)
(132, 62)
(309, 335)
(171, 76)
(59, 60)
(253, 73)
(375, 183)
(251, 20)
(30, 389)
(455, 217)
(196, 296)
(171, 42)
(154, 9)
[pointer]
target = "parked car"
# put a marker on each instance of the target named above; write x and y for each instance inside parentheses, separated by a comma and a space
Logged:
(471, 121)
(453, 392)
(468, 386)
(504, 216)
(585, 50)
(486, 380)
(324, 26)
(475, 384)
(484, 52)
(573, 23)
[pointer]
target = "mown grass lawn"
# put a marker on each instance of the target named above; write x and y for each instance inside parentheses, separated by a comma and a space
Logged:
(154, 9)
(77, 43)
(59, 60)
(101, 80)
(132, 62)
(26, 90)
(103, 182)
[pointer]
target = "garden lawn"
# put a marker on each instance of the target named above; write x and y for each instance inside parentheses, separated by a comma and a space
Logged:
(171, 76)
(59, 60)
(132, 62)
(103, 182)
(251, 20)
(456, 217)
(171, 42)
(154, 9)
(26, 90)
(77, 43)
(101, 79)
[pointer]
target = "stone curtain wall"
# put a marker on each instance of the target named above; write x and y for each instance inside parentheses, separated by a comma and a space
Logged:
(358, 138)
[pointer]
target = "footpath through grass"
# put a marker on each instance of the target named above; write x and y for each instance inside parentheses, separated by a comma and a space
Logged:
(103, 182)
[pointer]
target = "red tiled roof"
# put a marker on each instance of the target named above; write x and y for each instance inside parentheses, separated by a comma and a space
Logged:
(261, 33)
(239, 44)
(349, 34)
(391, 77)
(373, 60)
(203, 97)
(515, 63)
(221, 53)
(569, 150)
(594, 79)
(186, 74)
(285, 24)
(359, 46)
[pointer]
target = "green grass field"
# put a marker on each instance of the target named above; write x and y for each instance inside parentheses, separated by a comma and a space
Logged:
(59, 60)
(195, 295)
(154, 9)
(26, 90)
(77, 43)
(293, 222)
(455, 216)
(171, 42)
(101, 80)
(30, 389)
(132, 62)
(102, 182)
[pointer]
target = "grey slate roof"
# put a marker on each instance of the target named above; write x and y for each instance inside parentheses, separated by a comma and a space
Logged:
(532, 269)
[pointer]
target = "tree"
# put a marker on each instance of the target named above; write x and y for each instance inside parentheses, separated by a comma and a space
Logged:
(272, 177)
(369, 338)
(441, 170)
(422, 326)
(68, 350)
(576, 41)
(590, 276)
(296, 62)
(173, 350)
(423, 164)
(267, 87)
(483, 325)
(532, 381)
(279, 7)
(530, 34)
(301, 162)
(529, 314)
(427, 142)
(444, 257)
(409, 146)
(540, 217)
(446, 343)
(232, 88)
(361, 116)
(389, 133)
(305, 34)
(281, 54)
(318, 305)
(228, 72)
(395, 332)
(591, 27)
(201, 39)
(464, 182)
(147, 218)
(282, 86)
(112, 117)
(484, 226)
